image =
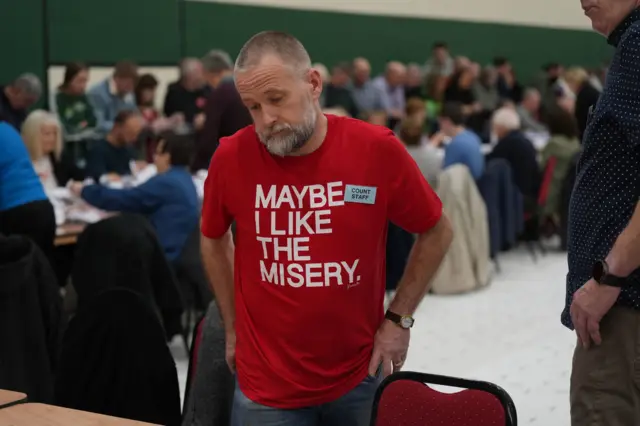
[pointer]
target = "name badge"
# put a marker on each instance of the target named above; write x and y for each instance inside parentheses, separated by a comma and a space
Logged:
(360, 194)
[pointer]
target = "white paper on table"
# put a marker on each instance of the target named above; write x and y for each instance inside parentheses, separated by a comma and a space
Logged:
(145, 174)
(84, 215)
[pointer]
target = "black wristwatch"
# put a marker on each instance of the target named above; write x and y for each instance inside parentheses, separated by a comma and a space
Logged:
(404, 321)
(601, 275)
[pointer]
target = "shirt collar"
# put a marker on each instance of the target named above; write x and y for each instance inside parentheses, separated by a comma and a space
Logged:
(615, 37)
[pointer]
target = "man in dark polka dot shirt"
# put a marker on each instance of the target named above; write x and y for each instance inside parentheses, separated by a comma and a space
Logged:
(603, 284)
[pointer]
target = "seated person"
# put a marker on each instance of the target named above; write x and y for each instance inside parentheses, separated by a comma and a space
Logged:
(17, 97)
(75, 111)
(377, 117)
(337, 93)
(519, 152)
(529, 111)
(426, 156)
(563, 146)
(188, 95)
(42, 134)
(169, 200)
(113, 95)
(24, 207)
(465, 146)
(113, 155)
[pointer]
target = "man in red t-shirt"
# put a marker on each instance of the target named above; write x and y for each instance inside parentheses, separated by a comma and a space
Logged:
(301, 293)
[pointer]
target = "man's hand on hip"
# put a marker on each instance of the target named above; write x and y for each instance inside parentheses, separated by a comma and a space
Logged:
(389, 348)
(590, 304)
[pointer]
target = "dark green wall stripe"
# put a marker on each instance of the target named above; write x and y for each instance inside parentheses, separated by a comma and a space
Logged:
(161, 31)
(333, 37)
(109, 30)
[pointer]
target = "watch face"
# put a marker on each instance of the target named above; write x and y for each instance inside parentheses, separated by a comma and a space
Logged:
(598, 271)
(406, 322)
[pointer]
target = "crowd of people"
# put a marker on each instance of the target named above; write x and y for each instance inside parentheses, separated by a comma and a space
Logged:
(449, 111)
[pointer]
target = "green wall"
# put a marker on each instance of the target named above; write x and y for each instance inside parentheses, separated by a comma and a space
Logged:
(22, 33)
(159, 32)
(334, 37)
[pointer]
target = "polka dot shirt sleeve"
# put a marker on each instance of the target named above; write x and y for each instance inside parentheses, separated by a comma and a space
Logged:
(624, 96)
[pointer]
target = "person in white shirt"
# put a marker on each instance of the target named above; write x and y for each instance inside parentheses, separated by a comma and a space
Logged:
(42, 135)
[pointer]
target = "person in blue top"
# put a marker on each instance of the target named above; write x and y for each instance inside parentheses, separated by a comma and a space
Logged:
(169, 200)
(24, 206)
(464, 146)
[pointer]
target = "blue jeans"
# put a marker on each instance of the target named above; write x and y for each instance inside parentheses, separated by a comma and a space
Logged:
(352, 409)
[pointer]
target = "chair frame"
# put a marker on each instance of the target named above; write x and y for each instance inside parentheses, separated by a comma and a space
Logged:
(509, 407)
(191, 368)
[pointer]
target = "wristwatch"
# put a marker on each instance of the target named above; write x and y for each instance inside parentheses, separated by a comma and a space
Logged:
(602, 276)
(404, 321)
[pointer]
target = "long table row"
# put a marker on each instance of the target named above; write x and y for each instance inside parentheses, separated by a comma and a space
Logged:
(15, 410)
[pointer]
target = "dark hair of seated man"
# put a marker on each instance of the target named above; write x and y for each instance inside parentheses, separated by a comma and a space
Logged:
(453, 112)
(174, 151)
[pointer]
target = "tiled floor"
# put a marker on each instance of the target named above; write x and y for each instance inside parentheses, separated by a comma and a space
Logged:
(508, 333)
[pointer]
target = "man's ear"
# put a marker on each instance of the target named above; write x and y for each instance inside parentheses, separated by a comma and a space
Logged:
(315, 80)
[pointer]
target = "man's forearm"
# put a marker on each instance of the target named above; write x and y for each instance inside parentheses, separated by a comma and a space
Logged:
(424, 260)
(624, 257)
(217, 257)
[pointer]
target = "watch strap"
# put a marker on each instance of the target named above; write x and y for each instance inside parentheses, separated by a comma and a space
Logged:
(405, 321)
(613, 281)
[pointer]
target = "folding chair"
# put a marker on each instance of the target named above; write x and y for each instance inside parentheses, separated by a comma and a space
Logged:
(196, 339)
(405, 399)
(543, 194)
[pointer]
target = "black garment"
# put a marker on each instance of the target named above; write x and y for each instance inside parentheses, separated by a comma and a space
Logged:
(522, 157)
(105, 157)
(413, 92)
(8, 113)
(608, 177)
(226, 114)
(65, 169)
(209, 398)
(514, 93)
(340, 97)
(115, 361)
(123, 251)
(189, 103)
(474, 122)
(399, 244)
(30, 319)
(191, 275)
(586, 97)
(36, 220)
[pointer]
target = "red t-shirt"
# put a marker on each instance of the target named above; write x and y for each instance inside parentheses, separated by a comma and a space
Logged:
(310, 254)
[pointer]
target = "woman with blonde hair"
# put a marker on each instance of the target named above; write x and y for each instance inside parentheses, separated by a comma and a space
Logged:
(586, 95)
(42, 135)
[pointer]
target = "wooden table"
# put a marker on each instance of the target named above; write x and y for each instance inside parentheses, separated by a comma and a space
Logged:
(68, 233)
(8, 398)
(49, 415)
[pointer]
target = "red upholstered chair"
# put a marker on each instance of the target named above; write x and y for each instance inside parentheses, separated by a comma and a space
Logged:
(405, 399)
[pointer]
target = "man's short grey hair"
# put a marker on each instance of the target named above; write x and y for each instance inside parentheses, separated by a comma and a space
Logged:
(28, 84)
(189, 65)
(530, 91)
(507, 118)
(288, 48)
(217, 61)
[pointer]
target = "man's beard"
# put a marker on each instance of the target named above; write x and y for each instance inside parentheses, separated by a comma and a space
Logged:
(294, 137)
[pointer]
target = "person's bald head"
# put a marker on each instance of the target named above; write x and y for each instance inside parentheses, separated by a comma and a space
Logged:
(192, 74)
(395, 73)
(361, 70)
(285, 47)
(276, 82)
